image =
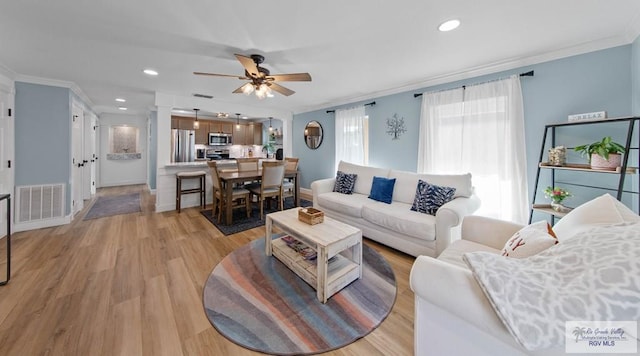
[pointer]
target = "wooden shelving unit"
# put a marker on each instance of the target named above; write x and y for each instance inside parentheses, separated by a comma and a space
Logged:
(622, 172)
(586, 168)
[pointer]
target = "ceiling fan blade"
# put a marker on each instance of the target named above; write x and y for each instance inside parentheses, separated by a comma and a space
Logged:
(280, 89)
(249, 65)
(293, 77)
(220, 75)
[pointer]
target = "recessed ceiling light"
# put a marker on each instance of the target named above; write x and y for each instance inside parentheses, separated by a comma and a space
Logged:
(120, 100)
(449, 25)
(150, 72)
(122, 108)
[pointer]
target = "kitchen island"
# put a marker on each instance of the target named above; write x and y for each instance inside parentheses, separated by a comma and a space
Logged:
(166, 183)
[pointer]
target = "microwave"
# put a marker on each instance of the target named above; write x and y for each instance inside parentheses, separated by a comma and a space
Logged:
(220, 139)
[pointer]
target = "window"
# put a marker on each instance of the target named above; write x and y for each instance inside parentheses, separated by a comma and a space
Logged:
(479, 129)
(352, 136)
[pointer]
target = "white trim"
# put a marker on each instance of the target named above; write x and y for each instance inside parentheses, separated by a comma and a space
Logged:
(39, 224)
(126, 182)
(633, 29)
(491, 68)
(306, 191)
(56, 83)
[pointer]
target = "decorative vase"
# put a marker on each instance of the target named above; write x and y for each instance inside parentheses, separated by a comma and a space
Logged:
(557, 206)
(557, 156)
(598, 162)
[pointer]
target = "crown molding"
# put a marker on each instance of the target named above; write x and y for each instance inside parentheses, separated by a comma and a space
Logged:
(633, 29)
(7, 79)
(56, 83)
(491, 68)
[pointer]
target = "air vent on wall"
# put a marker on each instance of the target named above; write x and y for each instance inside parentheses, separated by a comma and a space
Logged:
(39, 202)
(203, 96)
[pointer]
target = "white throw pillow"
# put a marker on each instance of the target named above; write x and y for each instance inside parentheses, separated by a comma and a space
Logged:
(602, 210)
(530, 240)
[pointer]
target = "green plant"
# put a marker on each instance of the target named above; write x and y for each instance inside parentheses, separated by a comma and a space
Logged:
(269, 147)
(602, 148)
(557, 195)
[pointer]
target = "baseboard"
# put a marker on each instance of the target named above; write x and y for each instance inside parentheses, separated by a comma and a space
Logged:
(33, 225)
(306, 192)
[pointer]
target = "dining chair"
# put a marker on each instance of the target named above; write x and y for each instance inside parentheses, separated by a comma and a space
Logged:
(248, 164)
(219, 194)
(290, 164)
(270, 185)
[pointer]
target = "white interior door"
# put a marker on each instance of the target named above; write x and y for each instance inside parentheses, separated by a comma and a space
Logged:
(77, 164)
(6, 153)
(89, 154)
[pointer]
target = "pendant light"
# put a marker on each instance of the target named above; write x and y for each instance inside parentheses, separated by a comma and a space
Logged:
(196, 124)
(237, 120)
(270, 128)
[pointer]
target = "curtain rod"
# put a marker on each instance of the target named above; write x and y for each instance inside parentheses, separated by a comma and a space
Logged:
(526, 74)
(371, 103)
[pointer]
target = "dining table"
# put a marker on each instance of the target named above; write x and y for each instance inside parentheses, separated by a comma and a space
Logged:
(233, 177)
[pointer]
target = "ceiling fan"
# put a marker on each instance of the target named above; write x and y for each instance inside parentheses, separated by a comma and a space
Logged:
(262, 82)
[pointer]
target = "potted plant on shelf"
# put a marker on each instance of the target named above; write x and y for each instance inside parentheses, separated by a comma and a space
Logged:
(557, 196)
(604, 154)
(270, 148)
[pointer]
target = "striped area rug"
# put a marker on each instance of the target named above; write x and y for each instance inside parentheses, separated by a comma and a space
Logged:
(258, 303)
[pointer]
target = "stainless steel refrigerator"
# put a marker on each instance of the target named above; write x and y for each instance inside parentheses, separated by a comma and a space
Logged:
(183, 145)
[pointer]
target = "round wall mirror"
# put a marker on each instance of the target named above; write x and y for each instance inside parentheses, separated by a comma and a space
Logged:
(313, 135)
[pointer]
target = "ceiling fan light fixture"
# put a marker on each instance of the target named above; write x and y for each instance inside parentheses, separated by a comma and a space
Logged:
(262, 91)
(247, 89)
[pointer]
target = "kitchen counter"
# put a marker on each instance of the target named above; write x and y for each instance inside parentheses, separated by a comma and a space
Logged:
(198, 164)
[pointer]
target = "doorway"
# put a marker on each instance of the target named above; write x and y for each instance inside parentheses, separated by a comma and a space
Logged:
(77, 161)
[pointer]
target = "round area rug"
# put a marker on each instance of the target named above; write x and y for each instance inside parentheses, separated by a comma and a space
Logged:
(258, 303)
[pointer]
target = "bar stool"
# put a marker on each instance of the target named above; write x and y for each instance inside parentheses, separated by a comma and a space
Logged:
(200, 175)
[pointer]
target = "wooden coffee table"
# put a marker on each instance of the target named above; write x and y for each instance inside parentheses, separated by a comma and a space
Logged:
(334, 267)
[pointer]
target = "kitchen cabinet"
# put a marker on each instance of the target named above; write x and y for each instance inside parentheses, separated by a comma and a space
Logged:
(247, 134)
(257, 133)
(239, 134)
(202, 133)
(182, 123)
(221, 127)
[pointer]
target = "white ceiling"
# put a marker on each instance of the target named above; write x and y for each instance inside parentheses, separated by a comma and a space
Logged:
(354, 50)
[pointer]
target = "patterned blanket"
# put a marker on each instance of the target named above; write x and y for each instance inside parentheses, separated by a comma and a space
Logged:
(590, 277)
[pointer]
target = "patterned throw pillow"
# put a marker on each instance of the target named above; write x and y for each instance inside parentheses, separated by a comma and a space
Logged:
(345, 183)
(429, 198)
(530, 240)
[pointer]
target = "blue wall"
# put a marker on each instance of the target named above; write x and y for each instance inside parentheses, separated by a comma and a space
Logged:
(596, 81)
(635, 76)
(43, 136)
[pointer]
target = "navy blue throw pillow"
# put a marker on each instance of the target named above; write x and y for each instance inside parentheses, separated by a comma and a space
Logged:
(429, 198)
(345, 183)
(382, 189)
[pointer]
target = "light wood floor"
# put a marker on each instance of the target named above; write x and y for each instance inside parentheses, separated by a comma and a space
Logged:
(132, 285)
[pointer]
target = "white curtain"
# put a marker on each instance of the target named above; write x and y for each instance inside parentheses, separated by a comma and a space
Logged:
(480, 130)
(350, 135)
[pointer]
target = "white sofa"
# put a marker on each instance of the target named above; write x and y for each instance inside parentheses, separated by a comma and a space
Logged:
(395, 224)
(454, 316)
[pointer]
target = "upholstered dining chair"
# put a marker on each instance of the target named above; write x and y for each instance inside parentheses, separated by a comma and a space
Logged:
(290, 164)
(247, 164)
(271, 184)
(238, 195)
